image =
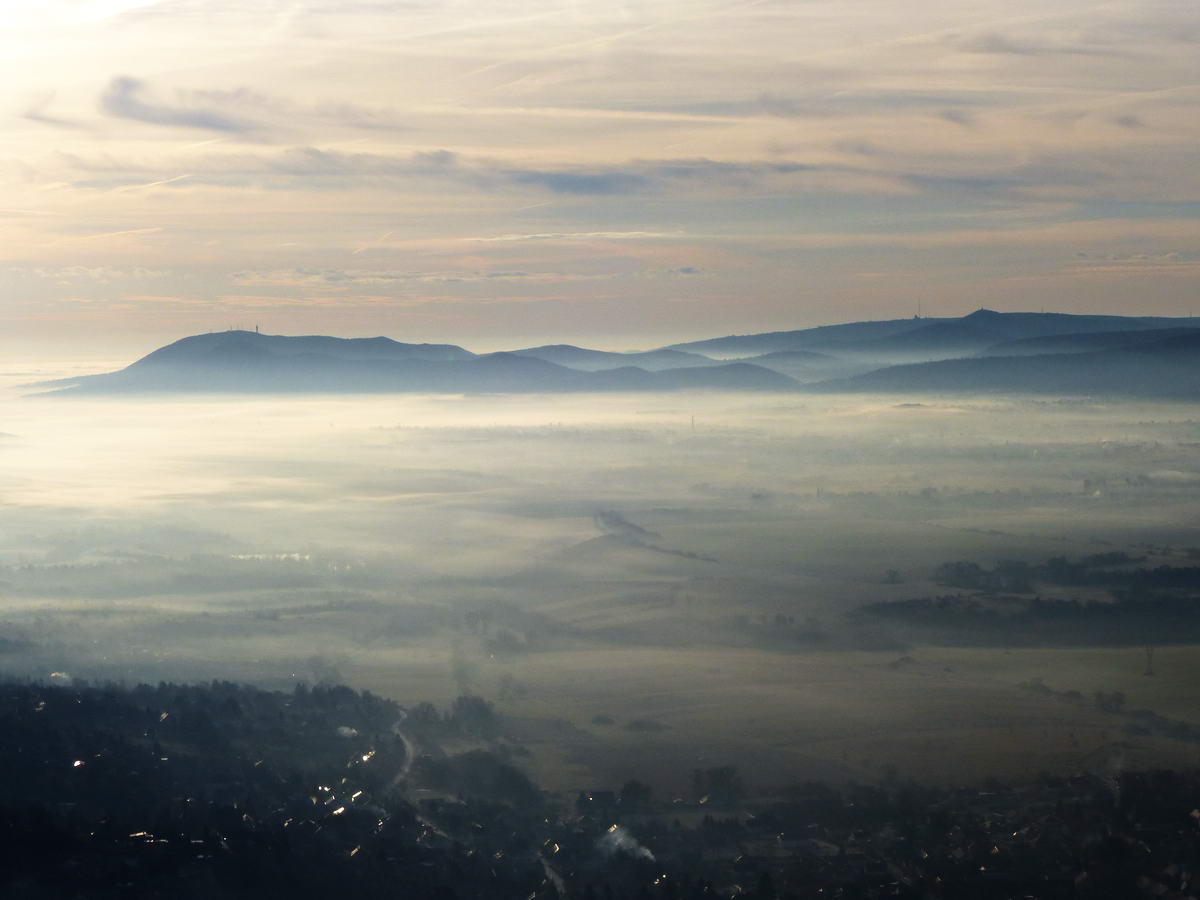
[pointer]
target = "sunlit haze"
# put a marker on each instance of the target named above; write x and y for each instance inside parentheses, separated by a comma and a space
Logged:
(631, 173)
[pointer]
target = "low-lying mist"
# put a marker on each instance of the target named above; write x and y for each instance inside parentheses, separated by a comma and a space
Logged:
(639, 583)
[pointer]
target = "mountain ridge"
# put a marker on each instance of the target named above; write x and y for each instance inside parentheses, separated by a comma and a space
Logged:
(1168, 369)
(985, 351)
(249, 362)
(1003, 325)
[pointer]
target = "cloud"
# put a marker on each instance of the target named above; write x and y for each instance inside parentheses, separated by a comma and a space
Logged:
(284, 114)
(582, 182)
(577, 236)
(109, 234)
(865, 100)
(995, 43)
(98, 274)
(392, 300)
(958, 117)
(857, 147)
(354, 115)
(774, 105)
(241, 111)
(36, 112)
(313, 167)
(641, 176)
(124, 99)
(340, 278)
(312, 161)
(158, 183)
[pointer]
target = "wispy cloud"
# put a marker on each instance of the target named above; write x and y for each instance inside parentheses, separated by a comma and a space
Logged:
(111, 234)
(576, 236)
(997, 43)
(125, 98)
(314, 167)
(150, 184)
(98, 274)
(240, 112)
(38, 111)
(582, 182)
(341, 278)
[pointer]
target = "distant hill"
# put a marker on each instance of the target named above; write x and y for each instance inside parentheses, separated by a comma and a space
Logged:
(247, 362)
(937, 340)
(1014, 326)
(742, 345)
(885, 339)
(1045, 352)
(1168, 368)
(732, 376)
(597, 360)
(207, 347)
(808, 365)
(1084, 343)
(812, 357)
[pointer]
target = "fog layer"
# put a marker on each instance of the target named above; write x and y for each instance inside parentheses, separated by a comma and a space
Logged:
(638, 582)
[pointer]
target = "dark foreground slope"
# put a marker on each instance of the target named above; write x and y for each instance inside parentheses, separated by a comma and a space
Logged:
(222, 790)
(1168, 369)
(225, 791)
(247, 362)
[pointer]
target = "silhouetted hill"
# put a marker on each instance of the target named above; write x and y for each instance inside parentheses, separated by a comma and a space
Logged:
(853, 356)
(732, 377)
(1084, 343)
(742, 345)
(855, 336)
(938, 340)
(791, 356)
(597, 360)
(246, 362)
(249, 344)
(808, 365)
(1167, 368)
(1013, 326)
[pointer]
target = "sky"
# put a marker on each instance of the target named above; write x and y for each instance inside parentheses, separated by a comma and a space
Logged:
(613, 174)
